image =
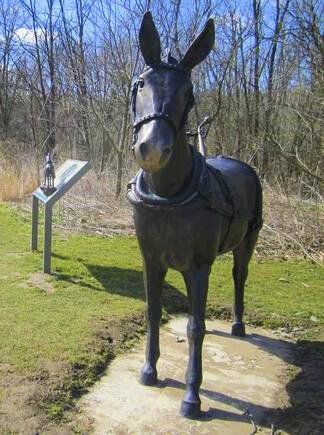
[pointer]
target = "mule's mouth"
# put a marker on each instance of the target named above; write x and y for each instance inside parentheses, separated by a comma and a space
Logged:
(151, 159)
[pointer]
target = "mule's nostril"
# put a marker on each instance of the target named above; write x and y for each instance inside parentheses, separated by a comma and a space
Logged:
(167, 151)
(143, 149)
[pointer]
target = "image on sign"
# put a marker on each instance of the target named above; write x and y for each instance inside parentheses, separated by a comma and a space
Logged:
(68, 173)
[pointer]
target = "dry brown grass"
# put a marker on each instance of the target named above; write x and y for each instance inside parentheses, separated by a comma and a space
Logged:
(292, 226)
(91, 206)
(18, 177)
(14, 185)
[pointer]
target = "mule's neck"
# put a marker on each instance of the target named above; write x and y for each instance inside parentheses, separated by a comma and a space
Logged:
(177, 172)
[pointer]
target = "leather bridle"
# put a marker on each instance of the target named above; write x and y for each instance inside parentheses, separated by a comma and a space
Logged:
(138, 122)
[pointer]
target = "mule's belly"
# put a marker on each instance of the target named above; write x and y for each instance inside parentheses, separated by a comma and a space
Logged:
(184, 239)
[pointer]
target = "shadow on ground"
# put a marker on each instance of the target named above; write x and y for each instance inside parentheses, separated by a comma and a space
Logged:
(305, 389)
(129, 282)
(125, 282)
(305, 413)
(306, 392)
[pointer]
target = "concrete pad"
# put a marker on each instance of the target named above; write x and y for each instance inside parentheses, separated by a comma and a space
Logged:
(242, 380)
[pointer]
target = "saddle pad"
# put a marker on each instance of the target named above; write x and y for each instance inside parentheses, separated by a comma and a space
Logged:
(225, 186)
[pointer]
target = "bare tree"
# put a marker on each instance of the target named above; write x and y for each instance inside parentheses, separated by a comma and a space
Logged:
(73, 40)
(67, 82)
(9, 78)
(43, 55)
(280, 14)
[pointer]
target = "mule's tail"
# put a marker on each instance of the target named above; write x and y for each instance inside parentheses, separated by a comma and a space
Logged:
(258, 220)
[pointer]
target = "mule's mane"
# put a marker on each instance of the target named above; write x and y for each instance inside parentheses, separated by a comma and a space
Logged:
(167, 65)
(168, 62)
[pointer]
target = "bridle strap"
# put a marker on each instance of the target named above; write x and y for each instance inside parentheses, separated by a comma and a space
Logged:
(151, 116)
(138, 122)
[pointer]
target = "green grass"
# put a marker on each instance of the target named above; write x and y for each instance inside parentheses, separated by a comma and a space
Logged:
(90, 282)
(98, 281)
(278, 293)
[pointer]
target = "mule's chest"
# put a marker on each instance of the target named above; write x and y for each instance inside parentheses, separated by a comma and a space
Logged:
(178, 239)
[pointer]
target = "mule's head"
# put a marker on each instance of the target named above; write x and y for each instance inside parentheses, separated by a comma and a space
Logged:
(162, 95)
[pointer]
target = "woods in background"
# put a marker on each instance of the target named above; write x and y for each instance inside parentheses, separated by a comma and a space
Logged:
(67, 67)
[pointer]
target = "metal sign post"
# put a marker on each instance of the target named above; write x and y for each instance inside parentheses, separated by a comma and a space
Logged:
(66, 176)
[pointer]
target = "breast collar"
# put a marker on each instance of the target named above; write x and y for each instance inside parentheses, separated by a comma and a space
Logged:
(138, 192)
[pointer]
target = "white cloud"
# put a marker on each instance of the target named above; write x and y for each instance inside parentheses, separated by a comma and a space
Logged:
(228, 19)
(27, 35)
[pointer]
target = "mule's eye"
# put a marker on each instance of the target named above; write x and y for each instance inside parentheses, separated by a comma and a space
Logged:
(141, 84)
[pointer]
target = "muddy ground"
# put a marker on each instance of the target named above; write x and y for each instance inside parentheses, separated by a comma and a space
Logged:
(297, 405)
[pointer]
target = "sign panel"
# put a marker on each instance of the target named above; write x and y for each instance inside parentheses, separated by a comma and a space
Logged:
(66, 176)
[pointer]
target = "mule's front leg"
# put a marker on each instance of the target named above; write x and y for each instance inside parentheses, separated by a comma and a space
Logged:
(153, 281)
(197, 287)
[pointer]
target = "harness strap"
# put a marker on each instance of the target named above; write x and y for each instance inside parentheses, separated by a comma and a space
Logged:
(138, 122)
(150, 116)
(143, 195)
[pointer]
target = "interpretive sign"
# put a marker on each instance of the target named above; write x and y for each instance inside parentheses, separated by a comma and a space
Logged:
(66, 176)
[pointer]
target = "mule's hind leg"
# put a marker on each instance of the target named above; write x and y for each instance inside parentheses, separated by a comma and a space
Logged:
(153, 282)
(197, 286)
(242, 255)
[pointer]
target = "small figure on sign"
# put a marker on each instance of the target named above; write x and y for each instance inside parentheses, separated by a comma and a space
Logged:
(49, 176)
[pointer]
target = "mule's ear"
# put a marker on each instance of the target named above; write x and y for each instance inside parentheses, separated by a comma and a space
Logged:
(149, 40)
(201, 47)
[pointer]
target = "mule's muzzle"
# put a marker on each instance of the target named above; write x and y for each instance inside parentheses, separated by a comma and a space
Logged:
(147, 154)
(153, 149)
(151, 158)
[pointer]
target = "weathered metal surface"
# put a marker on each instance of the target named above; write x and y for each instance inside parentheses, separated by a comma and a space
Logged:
(176, 230)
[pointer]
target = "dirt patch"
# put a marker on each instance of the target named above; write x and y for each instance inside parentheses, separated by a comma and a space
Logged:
(42, 281)
(17, 412)
(23, 401)
(295, 407)
(36, 403)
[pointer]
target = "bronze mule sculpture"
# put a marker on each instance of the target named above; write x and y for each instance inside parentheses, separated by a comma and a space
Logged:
(187, 209)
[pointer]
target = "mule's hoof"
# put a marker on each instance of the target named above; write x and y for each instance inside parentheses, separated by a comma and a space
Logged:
(238, 329)
(148, 376)
(190, 409)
